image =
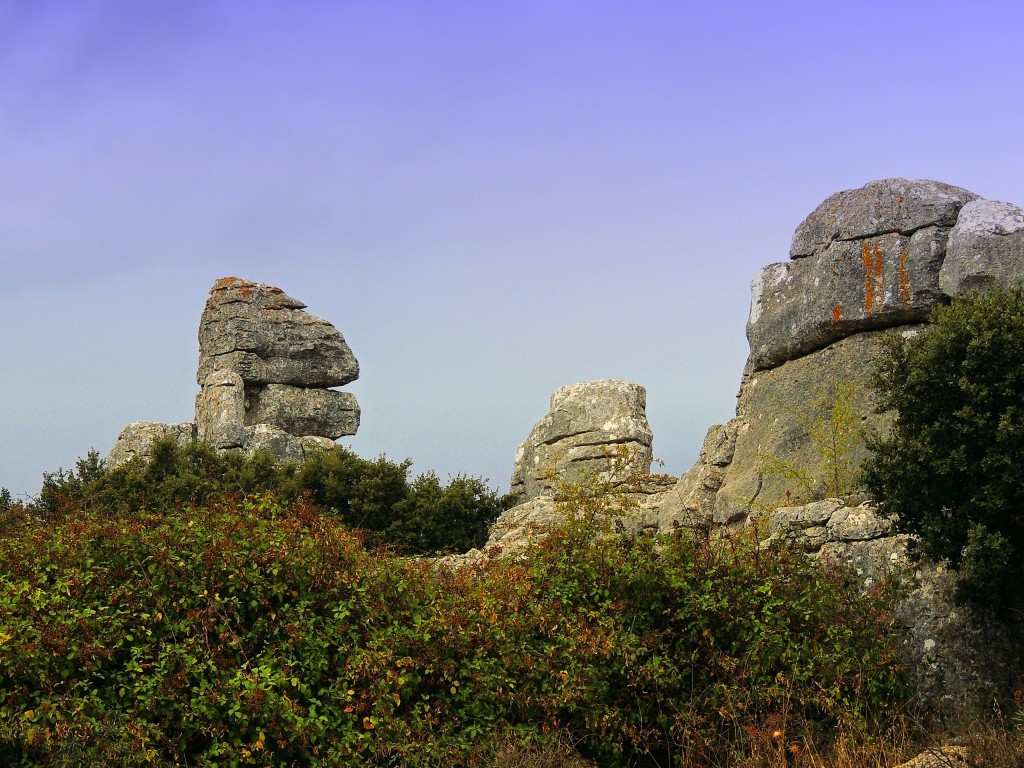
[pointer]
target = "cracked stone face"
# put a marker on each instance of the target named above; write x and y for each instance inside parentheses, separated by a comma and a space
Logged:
(586, 425)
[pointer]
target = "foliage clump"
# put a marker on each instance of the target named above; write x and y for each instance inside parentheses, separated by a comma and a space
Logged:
(951, 468)
(256, 631)
(418, 516)
(830, 420)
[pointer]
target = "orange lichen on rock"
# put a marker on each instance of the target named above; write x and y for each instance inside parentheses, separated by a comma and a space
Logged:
(873, 286)
(837, 313)
(904, 279)
(228, 282)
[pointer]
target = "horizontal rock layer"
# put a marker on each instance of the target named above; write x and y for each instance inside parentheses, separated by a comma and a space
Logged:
(263, 335)
(302, 411)
(586, 427)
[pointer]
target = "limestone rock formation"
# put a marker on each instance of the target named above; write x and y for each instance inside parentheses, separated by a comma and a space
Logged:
(262, 334)
(863, 260)
(587, 422)
(588, 430)
(265, 368)
(986, 246)
(866, 260)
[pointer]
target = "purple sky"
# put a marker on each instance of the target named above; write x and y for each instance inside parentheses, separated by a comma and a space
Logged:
(489, 199)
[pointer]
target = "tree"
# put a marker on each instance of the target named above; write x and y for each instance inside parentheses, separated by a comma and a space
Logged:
(951, 468)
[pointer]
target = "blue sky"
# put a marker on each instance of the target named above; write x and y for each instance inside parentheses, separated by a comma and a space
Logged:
(489, 199)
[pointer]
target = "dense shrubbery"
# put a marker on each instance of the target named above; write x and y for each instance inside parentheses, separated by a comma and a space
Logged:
(951, 469)
(248, 631)
(420, 516)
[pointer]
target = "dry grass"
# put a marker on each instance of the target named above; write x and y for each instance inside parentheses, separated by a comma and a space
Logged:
(989, 743)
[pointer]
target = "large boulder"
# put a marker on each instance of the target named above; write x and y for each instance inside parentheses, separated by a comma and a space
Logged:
(865, 259)
(986, 247)
(303, 410)
(137, 438)
(878, 208)
(265, 366)
(262, 334)
(584, 431)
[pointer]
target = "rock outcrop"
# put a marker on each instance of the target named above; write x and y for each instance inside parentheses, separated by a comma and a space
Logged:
(867, 260)
(586, 425)
(595, 430)
(879, 258)
(265, 372)
(875, 259)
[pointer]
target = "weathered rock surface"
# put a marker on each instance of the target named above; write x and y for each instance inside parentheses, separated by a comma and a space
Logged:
(850, 286)
(220, 410)
(270, 439)
(137, 438)
(302, 410)
(691, 502)
(264, 370)
(865, 259)
(952, 756)
(587, 424)
(878, 208)
(262, 334)
(774, 412)
(986, 247)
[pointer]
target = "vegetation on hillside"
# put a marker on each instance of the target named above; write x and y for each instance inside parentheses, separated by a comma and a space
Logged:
(252, 630)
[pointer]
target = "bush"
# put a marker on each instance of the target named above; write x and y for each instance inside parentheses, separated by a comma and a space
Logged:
(951, 468)
(251, 632)
(376, 495)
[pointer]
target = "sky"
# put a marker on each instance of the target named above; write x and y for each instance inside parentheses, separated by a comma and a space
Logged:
(490, 199)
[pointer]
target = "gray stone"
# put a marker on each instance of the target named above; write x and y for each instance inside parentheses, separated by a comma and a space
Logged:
(848, 287)
(962, 659)
(220, 410)
(262, 334)
(879, 207)
(775, 411)
(523, 524)
(302, 411)
(859, 523)
(873, 560)
(691, 502)
(581, 435)
(986, 247)
(269, 439)
(137, 439)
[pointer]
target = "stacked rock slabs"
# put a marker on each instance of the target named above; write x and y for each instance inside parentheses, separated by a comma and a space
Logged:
(267, 367)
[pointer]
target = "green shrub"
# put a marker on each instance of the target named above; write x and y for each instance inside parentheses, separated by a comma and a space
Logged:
(418, 517)
(951, 468)
(254, 632)
(830, 418)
